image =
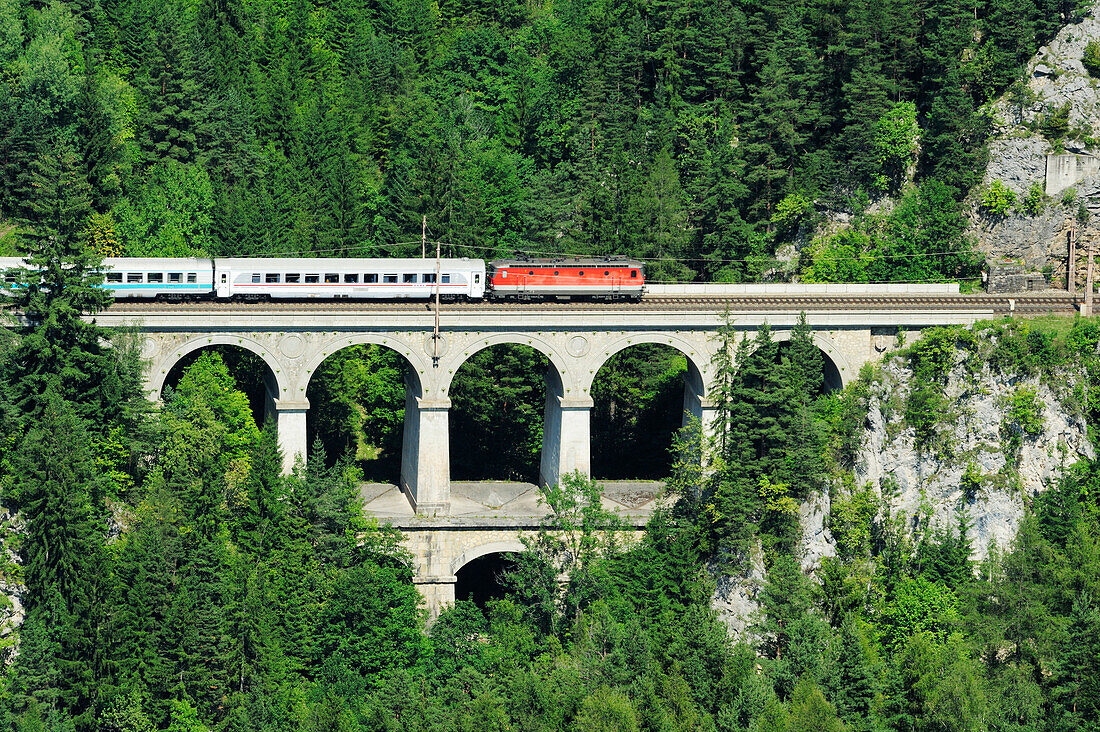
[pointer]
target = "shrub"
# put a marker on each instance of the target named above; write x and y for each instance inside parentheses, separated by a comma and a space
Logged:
(1055, 123)
(1091, 58)
(1035, 201)
(1069, 197)
(998, 199)
(790, 212)
(1025, 411)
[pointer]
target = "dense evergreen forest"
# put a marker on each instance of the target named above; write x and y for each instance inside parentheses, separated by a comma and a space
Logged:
(173, 580)
(699, 136)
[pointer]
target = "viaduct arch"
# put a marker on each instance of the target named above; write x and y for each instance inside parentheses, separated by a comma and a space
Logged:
(577, 340)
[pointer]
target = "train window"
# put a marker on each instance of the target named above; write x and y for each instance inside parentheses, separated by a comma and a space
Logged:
(255, 278)
(428, 277)
(633, 273)
(192, 278)
(446, 279)
(155, 277)
(133, 276)
(409, 279)
(531, 272)
(114, 277)
(504, 273)
(606, 273)
(370, 278)
(313, 279)
(389, 279)
(332, 278)
(556, 273)
(477, 279)
(272, 278)
(351, 279)
(293, 278)
(581, 273)
(175, 277)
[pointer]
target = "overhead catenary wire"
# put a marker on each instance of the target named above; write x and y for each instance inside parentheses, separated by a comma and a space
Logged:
(571, 255)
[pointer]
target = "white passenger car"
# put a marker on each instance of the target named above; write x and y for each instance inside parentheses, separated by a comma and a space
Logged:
(171, 278)
(382, 279)
(130, 277)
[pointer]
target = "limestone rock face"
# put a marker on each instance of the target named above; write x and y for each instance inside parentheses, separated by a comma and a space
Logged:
(11, 589)
(1018, 154)
(921, 479)
(916, 481)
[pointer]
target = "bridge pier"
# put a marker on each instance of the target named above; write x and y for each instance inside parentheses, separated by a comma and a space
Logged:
(438, 593)
(290, 424)
(426, 454)
(566, 440)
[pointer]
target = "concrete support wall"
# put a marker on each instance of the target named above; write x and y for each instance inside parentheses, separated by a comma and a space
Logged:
(290, 421)
(426, 454)
(696, 405)
(566, 441)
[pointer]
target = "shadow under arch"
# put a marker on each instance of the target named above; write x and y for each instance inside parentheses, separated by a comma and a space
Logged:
(358, 397)
(696, 373)
(497, 396)
(479, 572)
(277, 385)
(643, 393)
(417, 365)
(541, 345)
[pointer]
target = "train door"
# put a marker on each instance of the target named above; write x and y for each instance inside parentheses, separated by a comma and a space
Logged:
(223, 284)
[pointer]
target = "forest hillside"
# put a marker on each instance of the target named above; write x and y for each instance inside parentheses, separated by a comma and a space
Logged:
(701, 137)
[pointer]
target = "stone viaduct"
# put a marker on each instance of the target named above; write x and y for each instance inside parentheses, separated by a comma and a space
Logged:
(851, 325)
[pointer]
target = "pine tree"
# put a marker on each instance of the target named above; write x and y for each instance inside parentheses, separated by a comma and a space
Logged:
(172, 90)
(59, 491)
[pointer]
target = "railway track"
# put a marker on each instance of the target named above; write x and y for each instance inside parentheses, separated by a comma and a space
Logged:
(1054, 302)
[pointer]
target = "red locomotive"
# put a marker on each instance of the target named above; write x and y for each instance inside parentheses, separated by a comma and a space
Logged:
(606, 279)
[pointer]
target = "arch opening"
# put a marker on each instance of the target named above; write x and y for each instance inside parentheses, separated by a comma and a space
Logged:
(496, 418)
(252, 375)
(640, 396)
(484, 578)
(831, 380)
(357, 399)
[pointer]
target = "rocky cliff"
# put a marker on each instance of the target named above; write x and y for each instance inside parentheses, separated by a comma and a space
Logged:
(1046, 133)
(993, 439)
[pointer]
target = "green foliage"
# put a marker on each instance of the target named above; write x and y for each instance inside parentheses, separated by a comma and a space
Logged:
(998, 199)
(920, 607)
(850, 520)
(896, 142)
(893, 247)
(638, 405)
(1035, 200)
(1023, 419)
(790, 212)
(1069, 197)
(497, 403)
(1091, 58)
(1054, 124)
(360, 398)
(842, 257)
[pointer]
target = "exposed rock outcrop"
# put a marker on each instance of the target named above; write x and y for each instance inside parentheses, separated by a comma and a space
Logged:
(972, 464)
(972, 439)
(1056, 80)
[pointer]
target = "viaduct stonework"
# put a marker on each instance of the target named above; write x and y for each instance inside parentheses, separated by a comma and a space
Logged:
(852, 325)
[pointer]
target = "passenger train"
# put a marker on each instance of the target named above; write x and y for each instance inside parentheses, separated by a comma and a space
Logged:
(368, 279)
